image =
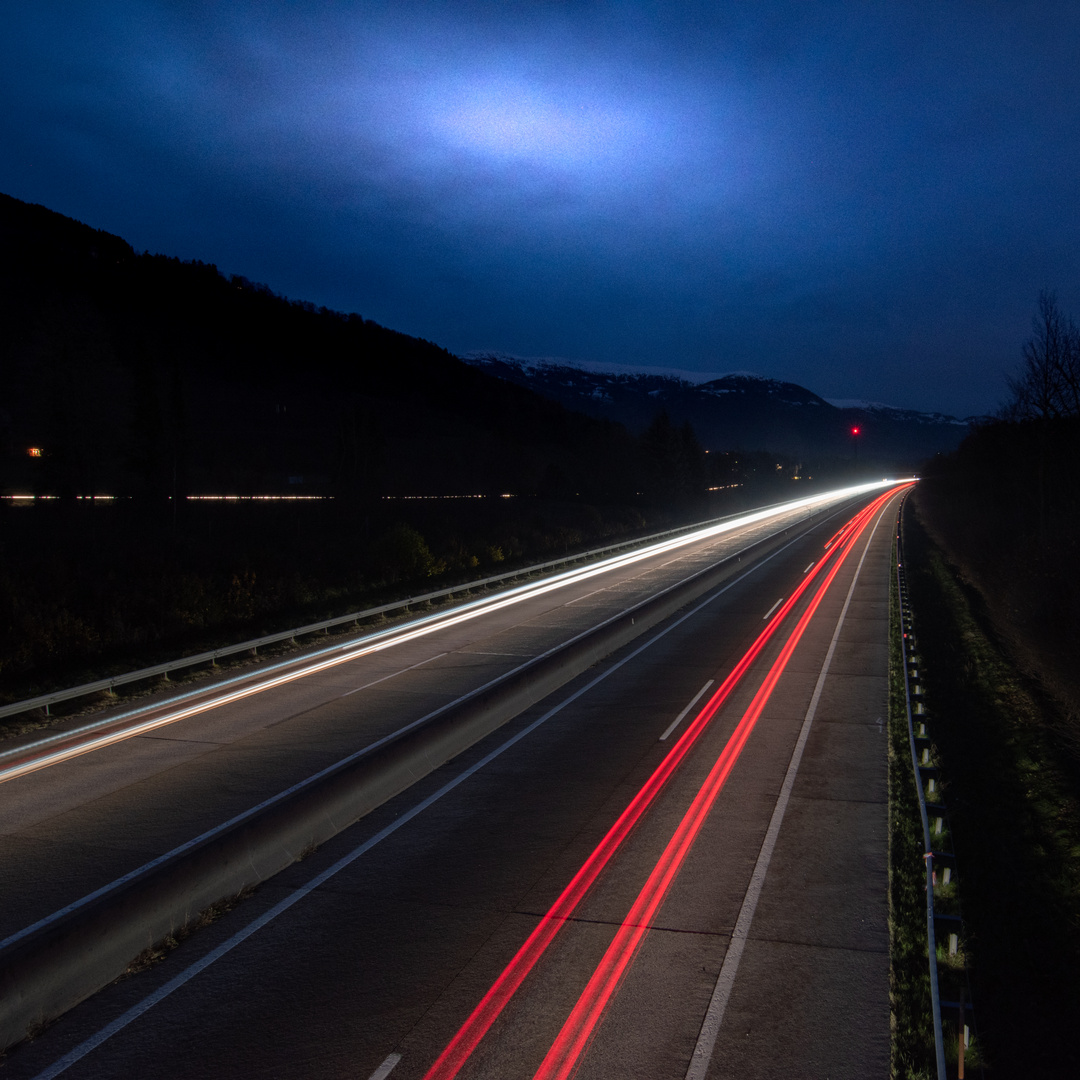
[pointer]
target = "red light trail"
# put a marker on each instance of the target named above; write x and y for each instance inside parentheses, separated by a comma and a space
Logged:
(476, 1026)
(566, 1051)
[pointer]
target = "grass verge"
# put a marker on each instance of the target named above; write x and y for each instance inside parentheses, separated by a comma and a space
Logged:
(912, 1056)
(1014, 815)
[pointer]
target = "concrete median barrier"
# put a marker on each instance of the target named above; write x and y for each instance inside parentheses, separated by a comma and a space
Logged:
(70, 956)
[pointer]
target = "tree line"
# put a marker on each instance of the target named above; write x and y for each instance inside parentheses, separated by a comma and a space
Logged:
(1006, 505)
(1047, 386)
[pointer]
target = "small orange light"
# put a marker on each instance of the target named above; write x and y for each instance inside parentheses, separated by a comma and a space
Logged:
(35, 451)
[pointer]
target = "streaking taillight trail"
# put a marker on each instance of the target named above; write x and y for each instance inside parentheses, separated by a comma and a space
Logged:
(572, 1040)
(566, 1051)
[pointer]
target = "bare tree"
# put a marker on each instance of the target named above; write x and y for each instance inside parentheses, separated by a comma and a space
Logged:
(1070, 370)
(1048, 384)
(1046, 388)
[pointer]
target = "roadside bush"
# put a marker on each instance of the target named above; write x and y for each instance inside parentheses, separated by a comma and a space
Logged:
(401, 553)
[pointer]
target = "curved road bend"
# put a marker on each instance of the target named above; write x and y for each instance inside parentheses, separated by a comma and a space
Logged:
(374, 969)
(75, 826)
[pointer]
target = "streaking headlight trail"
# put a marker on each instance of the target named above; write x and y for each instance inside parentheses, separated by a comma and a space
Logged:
(106, 732)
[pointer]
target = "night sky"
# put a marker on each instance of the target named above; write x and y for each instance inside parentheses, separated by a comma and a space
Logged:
(864, 198)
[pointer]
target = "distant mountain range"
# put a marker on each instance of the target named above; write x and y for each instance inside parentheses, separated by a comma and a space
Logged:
(141, 375)
(740, 411)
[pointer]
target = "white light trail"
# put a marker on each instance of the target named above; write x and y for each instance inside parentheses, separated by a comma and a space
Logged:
(66, 745)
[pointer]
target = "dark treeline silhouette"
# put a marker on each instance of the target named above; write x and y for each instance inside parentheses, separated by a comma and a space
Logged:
(1006, 505)
(1004, 509)
(151, 379)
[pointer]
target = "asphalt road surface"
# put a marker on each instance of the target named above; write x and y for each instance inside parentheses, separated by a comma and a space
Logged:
(737, 928)
(77, 825)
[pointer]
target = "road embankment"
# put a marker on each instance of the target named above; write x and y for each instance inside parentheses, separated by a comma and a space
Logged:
(1012, 783)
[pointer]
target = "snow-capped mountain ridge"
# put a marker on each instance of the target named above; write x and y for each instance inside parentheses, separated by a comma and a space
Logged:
(715, 383)
(737, 410)
(598, 367)
(745, 383)
(877, 407)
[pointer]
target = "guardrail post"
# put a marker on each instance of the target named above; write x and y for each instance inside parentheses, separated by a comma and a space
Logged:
(962, 1039)
(935, 998)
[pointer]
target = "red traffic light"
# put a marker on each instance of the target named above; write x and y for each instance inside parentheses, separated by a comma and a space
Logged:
(855, 430)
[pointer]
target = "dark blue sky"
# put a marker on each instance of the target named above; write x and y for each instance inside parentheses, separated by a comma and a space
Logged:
(864, 198)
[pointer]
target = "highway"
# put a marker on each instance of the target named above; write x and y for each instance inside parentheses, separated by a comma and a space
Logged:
(81, 822)
(381, 963)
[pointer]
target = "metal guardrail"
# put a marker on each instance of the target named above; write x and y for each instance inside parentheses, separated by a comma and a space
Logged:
(48, 967)
(44, 701)
(928, 858)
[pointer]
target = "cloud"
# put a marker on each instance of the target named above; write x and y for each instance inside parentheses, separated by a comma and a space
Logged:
(829, 194)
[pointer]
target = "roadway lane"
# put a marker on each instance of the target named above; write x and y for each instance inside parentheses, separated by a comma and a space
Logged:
(391, 954)
(77, 825)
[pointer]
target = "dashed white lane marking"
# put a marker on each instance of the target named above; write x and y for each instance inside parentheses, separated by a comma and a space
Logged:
(393, 675)
(681, 557)
(725, 981)
(679, 719)
(182, 977)
(585, 597)
(383, 1071)
(482, 652)
(772, 609)
(807, 570)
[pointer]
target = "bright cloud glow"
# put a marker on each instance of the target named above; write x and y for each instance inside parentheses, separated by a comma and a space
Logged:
(507, 119)
(863, 199)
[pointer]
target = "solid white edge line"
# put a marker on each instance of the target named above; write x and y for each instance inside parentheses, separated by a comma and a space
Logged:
(679, 719)
(94, 1041)
(387, 1067)
(306, 782)
(725, 981)
(772, 609)
(251, 811)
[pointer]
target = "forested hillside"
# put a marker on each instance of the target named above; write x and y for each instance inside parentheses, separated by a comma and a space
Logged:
(140, 375)
(150, 380)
